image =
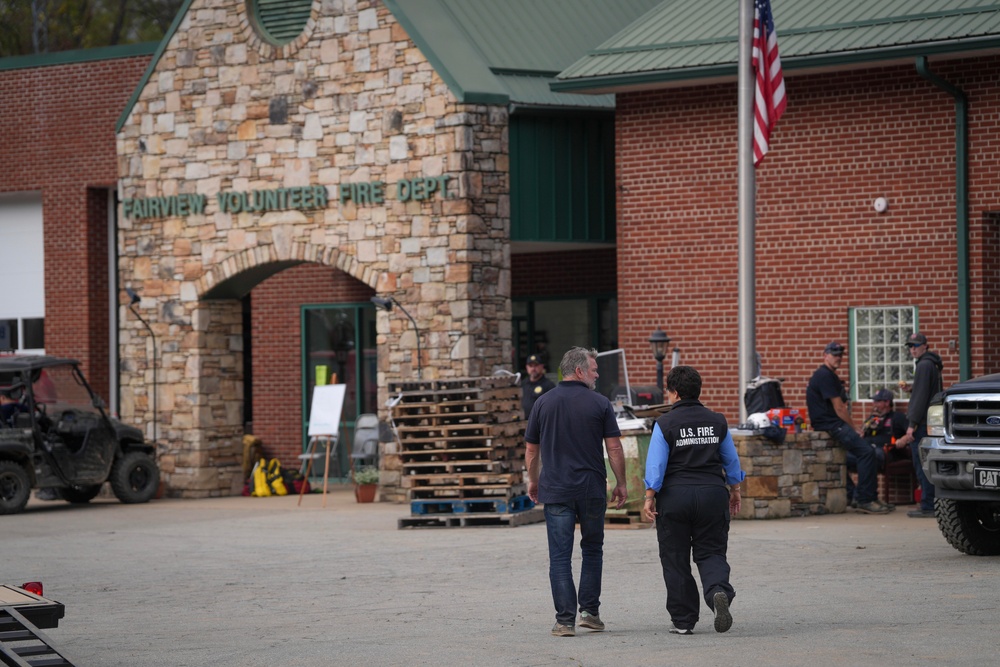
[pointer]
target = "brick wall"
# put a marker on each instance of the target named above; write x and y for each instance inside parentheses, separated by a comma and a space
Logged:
(277, 349)
(563, 273)
(57, 125)
(821, 248)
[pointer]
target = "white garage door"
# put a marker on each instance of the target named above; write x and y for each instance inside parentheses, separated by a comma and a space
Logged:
(22, 273)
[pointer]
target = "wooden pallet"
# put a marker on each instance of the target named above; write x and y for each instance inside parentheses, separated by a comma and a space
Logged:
(625, 519)
(462, 479)
(534, 515)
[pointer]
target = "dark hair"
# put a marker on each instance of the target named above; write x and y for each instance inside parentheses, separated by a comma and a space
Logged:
(684, 381)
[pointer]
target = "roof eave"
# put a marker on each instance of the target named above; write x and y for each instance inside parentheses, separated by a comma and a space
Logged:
(723, 72)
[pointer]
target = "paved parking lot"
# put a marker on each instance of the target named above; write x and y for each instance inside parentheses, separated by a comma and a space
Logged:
(259, 581)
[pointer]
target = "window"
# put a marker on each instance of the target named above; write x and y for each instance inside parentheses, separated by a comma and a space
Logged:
(280, 21)
(878, 353)
(21, 335)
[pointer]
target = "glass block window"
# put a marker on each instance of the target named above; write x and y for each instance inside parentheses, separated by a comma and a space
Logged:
(878, 353)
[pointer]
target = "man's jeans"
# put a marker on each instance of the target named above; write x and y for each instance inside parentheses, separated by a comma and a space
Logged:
(852, 464)
(864, 454)
(926, 488)
(560, 522)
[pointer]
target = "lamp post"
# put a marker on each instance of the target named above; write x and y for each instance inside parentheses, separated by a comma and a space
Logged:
(134, 299)
(658, 341)
(386, 305)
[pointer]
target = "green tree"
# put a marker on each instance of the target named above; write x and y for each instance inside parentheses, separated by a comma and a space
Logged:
(47, 26)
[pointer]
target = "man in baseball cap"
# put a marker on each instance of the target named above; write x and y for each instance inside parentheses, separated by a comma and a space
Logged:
(926, 383)
(826, 399)
(534, 383)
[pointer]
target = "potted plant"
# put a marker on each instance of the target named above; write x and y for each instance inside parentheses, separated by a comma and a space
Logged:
(365, 484)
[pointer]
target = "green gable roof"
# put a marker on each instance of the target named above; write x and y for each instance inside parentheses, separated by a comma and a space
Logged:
(684, 42)
(501, 52)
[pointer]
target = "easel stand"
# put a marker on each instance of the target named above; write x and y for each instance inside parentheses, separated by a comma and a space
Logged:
(311, 455)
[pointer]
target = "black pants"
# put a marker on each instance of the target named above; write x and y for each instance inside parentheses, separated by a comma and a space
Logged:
(693, 520)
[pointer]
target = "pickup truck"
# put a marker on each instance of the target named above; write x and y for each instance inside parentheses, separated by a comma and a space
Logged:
(961, 458)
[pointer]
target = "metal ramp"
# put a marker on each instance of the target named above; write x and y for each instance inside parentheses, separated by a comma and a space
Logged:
(23, 644)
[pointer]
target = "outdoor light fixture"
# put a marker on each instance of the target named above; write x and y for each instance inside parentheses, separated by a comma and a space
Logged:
(658, 341)
(133, 300)
(386, 305)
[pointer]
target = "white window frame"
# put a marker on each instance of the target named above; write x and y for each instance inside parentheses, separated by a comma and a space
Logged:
(877, 347)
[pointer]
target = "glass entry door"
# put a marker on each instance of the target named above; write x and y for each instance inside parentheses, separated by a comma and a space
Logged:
(339, 347)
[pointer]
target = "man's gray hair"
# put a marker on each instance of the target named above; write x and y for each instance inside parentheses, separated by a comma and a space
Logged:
(576, 357)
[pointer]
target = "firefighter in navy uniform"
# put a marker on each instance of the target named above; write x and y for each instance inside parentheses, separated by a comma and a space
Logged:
(534, 383)
(691, 461)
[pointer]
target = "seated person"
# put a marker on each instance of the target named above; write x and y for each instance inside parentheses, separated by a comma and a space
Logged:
(10, 405)
(880, 430)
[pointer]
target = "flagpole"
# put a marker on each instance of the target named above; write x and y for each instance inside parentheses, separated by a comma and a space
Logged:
(746, 259)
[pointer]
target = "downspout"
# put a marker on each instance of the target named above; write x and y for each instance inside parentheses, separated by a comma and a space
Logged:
(961, 212)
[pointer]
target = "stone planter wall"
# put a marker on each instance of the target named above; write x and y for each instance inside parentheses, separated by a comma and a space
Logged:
(805, 474)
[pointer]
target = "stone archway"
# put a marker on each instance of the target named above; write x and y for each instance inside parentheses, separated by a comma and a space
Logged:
(236, 160)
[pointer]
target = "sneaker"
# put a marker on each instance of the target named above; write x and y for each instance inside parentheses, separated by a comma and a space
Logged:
(680, 631)
(723, 619)
(874, 507)
(591, 621)
(560, 630)
(920, 513)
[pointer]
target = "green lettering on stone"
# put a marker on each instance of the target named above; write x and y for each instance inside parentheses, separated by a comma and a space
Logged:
(319, 196)
(293, 198)
(378, 192)
(403, 190)
(197, 203)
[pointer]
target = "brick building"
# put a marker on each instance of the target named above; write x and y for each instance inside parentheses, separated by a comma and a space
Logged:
(870, 115)
(271, 180)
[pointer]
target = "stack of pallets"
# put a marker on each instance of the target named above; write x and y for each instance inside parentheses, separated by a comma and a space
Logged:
(462, 450)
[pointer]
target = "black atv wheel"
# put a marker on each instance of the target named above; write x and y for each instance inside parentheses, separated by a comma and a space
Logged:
(971, 527)
(15, 487)
(135, 478)
(80, 494)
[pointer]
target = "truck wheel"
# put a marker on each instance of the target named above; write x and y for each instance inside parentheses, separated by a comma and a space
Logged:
(80, 494)
(135, 478)
(15, 487)
(971, 527)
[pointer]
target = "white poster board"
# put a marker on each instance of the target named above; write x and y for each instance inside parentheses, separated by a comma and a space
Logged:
(327, 404)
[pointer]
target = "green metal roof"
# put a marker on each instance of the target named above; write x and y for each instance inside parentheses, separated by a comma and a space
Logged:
(685, 42)
(77, 56)
(500, 52)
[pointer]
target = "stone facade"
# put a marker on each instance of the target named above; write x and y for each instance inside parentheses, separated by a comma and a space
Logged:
(805, 474)
(351, 100)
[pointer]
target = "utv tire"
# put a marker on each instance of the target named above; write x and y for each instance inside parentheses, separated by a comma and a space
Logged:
(971, 527)
(80, 494)
(135, 478)
(15, 487)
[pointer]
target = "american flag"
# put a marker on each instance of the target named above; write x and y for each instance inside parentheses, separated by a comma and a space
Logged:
(770, 96)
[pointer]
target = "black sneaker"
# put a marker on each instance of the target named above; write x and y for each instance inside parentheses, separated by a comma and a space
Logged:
(920, 514)
(874, 507)
(723, 619)
(680, 631)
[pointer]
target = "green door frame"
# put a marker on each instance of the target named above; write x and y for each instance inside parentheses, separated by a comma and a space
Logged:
(347, 421)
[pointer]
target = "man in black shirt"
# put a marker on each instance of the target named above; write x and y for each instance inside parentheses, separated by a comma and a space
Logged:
(534, 383)
(567, 432)
(926, 383)
(826, 399)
